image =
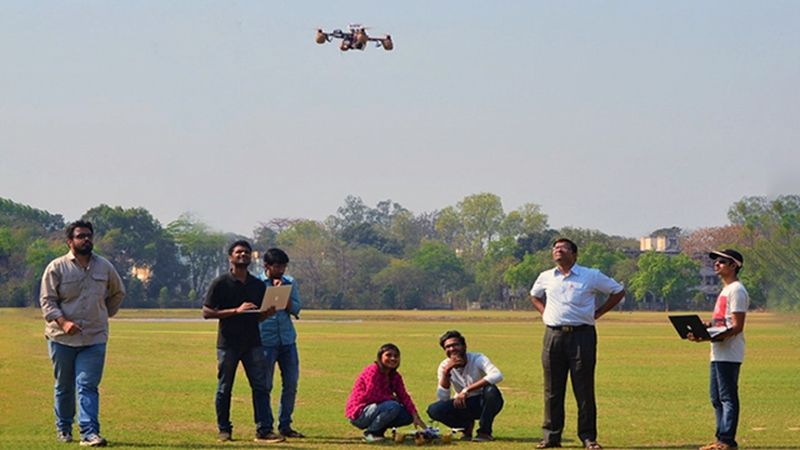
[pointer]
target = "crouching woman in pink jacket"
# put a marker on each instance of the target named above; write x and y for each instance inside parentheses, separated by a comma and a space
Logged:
(379, 399)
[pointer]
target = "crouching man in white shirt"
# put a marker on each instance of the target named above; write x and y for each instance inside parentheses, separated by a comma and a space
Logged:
(473, 378)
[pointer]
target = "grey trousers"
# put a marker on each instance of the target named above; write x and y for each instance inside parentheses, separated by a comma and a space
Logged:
(569, 351)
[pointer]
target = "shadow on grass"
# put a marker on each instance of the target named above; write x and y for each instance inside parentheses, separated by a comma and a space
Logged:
(310, 445)
(687, 446)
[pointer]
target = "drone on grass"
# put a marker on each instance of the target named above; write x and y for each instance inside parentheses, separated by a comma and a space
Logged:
(356, 38)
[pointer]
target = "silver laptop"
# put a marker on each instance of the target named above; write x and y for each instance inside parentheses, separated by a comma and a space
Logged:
(277, 296)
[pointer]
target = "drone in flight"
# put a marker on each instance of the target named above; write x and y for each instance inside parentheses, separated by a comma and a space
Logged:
(356, 38)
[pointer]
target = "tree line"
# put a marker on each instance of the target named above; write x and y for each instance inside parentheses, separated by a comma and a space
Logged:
(464, 255)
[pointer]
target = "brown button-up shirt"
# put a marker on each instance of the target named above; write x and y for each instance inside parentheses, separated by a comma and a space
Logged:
(87, 297)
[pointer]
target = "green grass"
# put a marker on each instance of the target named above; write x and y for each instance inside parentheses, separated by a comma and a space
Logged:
(158, 387)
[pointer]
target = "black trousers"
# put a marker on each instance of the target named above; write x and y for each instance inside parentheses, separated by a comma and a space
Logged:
(570, 352)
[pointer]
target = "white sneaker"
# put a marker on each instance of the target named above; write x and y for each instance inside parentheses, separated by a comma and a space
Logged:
(94, 440)
(369, 437)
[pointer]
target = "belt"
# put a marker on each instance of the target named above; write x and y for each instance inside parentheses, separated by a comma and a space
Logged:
(570, 328)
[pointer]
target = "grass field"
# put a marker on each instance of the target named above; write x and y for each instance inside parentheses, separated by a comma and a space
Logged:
(158, 387)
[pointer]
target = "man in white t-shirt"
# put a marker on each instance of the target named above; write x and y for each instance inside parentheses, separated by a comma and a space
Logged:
(473, 378)
(727, 348)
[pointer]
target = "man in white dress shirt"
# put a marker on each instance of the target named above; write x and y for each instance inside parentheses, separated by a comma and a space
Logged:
(566, 298)
(473, 378)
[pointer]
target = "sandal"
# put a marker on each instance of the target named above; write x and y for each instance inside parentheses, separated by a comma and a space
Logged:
(592, 445)
(545, 444)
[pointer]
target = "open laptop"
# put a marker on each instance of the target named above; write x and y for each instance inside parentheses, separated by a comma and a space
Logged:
(692, 324)
(277, 296)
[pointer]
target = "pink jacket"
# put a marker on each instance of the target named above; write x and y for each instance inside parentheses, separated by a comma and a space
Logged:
(372, 386)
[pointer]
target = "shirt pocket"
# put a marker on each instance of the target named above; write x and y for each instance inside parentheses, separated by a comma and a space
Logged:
(580, 293)
(99, 284)
(576, 287)
(70, 287)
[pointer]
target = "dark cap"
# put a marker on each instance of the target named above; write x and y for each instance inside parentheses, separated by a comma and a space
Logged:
(731, 254)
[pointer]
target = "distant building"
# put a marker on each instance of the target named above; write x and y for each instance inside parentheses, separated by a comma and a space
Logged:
(664, 240)
(709, 281)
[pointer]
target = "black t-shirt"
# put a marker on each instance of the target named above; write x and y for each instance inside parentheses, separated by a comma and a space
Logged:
(225, 292)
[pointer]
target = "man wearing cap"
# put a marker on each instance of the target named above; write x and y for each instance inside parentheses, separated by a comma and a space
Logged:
(566, 298)
(727, 348)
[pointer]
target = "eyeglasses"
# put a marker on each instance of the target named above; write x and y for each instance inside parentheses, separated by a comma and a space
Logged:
(83, 236)
(723, 261)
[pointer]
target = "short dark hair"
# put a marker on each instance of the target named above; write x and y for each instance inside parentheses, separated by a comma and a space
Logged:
(275, 256)
(239, 243)
(572, 245)
(450, 334)
(78, 224)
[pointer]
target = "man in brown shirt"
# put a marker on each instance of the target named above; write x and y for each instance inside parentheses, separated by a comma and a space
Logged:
(79, 292)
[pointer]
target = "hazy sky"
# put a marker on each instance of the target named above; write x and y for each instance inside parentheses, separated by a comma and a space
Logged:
(619, 116)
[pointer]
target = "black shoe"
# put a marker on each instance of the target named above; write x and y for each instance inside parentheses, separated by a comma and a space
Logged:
(294, 434)
(269, 438)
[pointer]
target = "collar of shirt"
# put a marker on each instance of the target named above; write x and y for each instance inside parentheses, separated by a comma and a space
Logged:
(249, 278)
(574, 270)
(74, 259)
(285, 279)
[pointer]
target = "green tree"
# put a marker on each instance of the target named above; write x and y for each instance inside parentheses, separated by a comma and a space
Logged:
(522, 274)
(526, 220)
(201, 249)
(490, 270)
(482, 215)
(37, 256)
(669, 278)
(770, 242)
(442, 269)
(14, 214)
(357, 224)
(132, 239)
(599, 256)
(314, 254)
(264, 237)
(27, 239)
(401, 284)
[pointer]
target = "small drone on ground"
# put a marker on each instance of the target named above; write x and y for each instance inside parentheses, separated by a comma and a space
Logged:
(356, 38)
(430, 435)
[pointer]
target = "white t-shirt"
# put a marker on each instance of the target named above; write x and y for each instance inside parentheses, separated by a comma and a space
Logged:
(478, 367)
(733, 298)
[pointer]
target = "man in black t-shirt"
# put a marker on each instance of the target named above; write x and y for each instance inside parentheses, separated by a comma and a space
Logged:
(234, 299)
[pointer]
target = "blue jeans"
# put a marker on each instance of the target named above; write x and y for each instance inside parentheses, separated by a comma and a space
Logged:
(253, 361)
(377, 417)
(725, 399)
(81, 368)
(289, 363)
(483, 407)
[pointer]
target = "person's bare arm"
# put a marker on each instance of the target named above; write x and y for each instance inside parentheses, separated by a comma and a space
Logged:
(737, 326)
(609, 304)
(211, 313)
(538, 304)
